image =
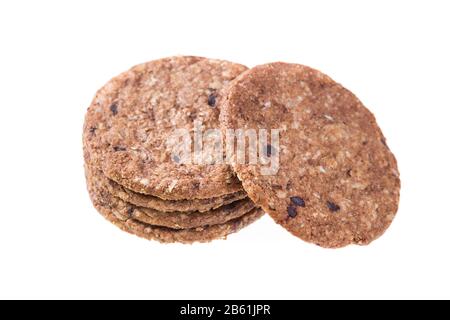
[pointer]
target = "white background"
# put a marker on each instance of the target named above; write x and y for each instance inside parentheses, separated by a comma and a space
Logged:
(54, 55)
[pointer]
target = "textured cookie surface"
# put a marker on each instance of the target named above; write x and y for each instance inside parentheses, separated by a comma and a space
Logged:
(148, 201)
(337, 182)
(102, 202)
(174, 220)
(130, 121)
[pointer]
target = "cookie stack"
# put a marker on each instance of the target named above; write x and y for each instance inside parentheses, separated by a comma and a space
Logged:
(136, 181)
(333, 180)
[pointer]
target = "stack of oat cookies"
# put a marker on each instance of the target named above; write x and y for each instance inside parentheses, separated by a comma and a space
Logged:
(134, 179)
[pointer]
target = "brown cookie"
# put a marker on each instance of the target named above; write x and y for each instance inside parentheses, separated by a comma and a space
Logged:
(102, 202)
(148, 201)
(337, 181)
(132, 118)
(189, 220)
(174, 220)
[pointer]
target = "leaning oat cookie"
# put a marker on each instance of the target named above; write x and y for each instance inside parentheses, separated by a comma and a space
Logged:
(148, 201)
(134, 116)
(175, 220)
(102, 202)
(337, 182)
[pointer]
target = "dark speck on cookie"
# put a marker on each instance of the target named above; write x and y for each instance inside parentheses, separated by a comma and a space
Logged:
(212, 99)
(289, 185)
(118, 148)
(333, 206)
(130, 211)
(92, 130)
(297, 201)
(114, 109)
(292, 211)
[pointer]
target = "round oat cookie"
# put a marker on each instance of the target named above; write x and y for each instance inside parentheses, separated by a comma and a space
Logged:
(174, 220)
(148, 201)
(337, 182)
(129, 123)
(102, 202)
